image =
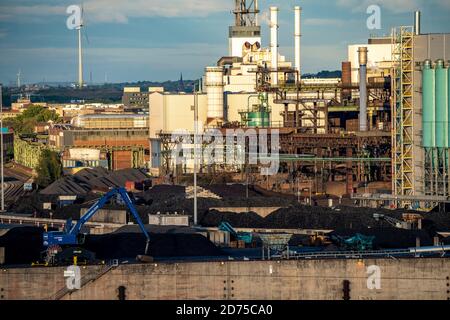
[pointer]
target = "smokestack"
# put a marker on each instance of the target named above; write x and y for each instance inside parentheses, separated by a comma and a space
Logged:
(297, 35)
(274, 43)
(417, 23)
(346, 80)
(256, 13)
(362, 89)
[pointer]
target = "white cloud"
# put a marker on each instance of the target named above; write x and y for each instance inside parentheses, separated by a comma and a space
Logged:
(324, 22)
(121, 11)
(121, 64)
(396, 6)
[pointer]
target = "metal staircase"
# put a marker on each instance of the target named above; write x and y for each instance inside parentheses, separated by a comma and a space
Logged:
(85, 280)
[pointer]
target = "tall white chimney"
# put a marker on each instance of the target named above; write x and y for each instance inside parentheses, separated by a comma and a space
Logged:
(257, 13)
(274, 43)
(297, 35)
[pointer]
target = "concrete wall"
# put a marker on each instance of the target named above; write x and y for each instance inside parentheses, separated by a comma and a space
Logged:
(107, 216)
(421, 279)
(168, 220)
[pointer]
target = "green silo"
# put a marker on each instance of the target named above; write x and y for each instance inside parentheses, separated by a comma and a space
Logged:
(448, 97)
(441, 105)
(428, 105)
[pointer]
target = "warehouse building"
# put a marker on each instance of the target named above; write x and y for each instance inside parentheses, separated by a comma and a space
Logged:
(134, 98)
(110, 121)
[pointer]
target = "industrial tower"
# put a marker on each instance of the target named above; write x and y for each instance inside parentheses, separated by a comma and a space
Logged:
(246, 27)
(246, 15)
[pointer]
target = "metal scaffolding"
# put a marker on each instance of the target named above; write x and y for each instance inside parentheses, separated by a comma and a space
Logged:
(403, 112)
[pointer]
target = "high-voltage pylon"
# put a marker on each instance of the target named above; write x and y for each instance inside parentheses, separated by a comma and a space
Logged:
(246, 13)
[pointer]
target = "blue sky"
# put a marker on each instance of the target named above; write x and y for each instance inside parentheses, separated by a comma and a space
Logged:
(157, 39)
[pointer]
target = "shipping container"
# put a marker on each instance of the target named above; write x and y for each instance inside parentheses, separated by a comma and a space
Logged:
(129, 185)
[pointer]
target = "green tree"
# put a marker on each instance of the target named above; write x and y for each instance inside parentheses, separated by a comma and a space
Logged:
(49, 168)
(25, 122)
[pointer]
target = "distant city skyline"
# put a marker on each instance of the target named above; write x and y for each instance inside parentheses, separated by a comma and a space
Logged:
(156, 40)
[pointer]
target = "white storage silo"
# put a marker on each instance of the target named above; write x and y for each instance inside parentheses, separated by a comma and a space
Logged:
(214, 91)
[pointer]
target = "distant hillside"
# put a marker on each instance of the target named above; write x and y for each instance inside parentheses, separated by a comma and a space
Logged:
(112, 93)
(107, 93)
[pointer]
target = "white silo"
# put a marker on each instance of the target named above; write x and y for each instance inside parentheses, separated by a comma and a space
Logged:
(214, 91)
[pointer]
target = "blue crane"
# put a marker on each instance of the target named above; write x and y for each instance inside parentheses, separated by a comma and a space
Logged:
(71, 235)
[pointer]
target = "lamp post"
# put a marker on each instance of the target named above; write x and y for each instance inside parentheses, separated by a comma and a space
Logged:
(195, 154)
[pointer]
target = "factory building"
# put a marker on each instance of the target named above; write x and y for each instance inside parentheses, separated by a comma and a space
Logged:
(258, 88)
(379, 62)
(421, 108)
(391, 124)
(110, 121)
(69, 111)
(112, 141)
(133, 98)
(246, 31)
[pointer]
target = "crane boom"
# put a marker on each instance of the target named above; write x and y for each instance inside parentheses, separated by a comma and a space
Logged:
(70, 235)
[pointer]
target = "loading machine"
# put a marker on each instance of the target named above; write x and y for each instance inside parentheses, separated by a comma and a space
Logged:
(64, 247)
(240, 236)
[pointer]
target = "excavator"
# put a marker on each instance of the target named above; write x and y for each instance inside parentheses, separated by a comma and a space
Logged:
(358, 242)
(63, 247)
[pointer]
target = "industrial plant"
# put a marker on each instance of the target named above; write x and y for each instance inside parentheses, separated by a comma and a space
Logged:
(254, 182)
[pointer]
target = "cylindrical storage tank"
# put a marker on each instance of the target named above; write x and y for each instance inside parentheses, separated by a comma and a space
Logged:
(448, 96)
(214, 91)
(259, 119)
(441, 105)
(428, 105)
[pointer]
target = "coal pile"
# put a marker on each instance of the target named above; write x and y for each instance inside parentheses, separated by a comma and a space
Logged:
(231, 190)
(129, 245)
(23, 245)
(88, 180)
(301, 217)
(156, 229)
(307, 217)
(163, 193)
(390, 238)
(238, 220)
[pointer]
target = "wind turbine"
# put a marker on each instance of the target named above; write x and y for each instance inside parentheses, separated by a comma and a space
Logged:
(80, 52)
(19, 74)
